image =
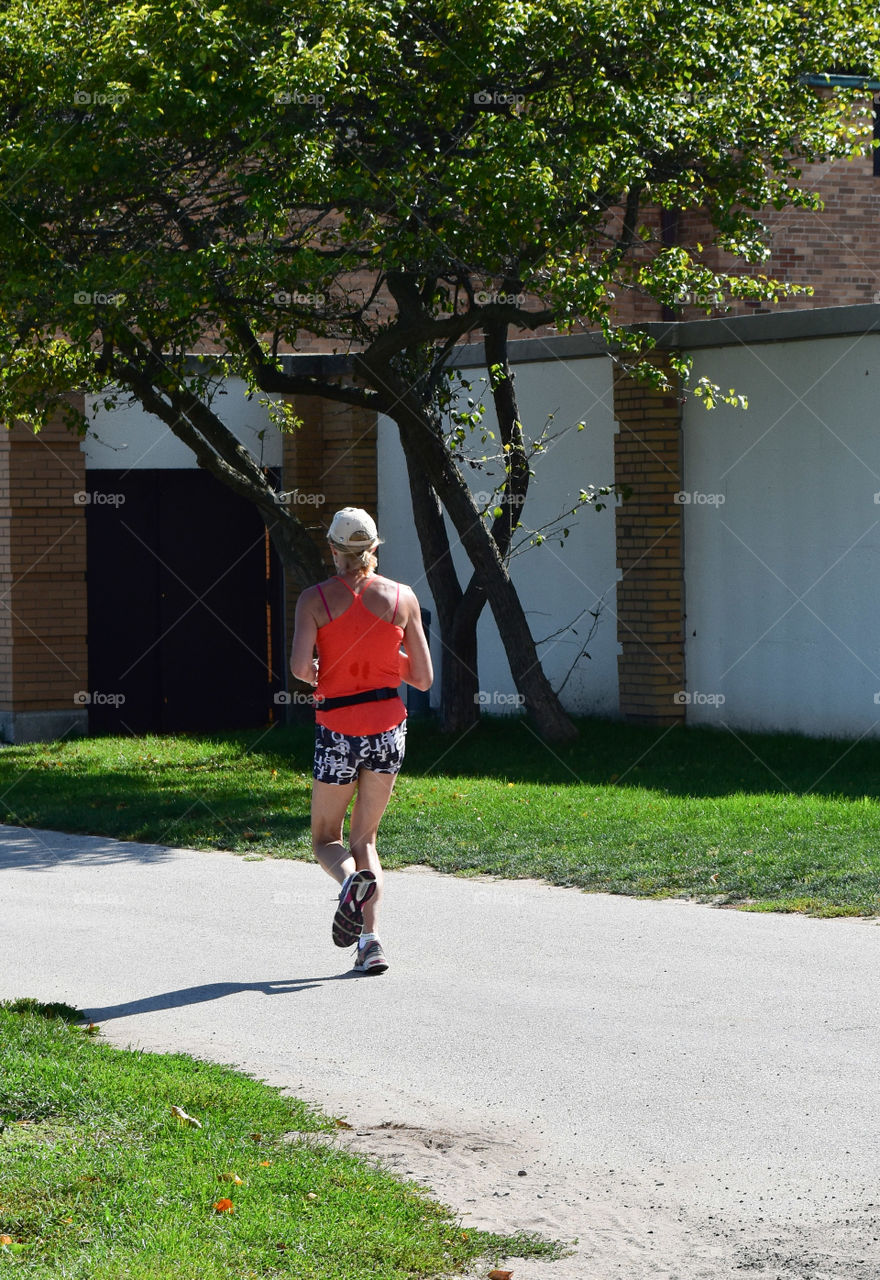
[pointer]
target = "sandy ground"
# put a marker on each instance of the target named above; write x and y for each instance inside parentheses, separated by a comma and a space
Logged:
(687, 1093)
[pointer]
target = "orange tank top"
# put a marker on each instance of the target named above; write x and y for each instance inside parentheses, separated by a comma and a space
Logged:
(358, 651)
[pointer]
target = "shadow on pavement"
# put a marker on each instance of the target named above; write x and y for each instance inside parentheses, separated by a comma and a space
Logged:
(36, 848)
(210, 991)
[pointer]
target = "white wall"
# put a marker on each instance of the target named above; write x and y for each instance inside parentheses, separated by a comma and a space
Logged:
(128, 438)
(555, 583)
(783, 607)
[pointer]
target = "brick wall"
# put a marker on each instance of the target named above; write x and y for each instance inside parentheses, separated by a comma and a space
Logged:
(43, 618)
(331, 457)
(836, 251)
(650, 603)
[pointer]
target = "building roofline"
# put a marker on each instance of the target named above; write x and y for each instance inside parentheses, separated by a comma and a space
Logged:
(675, 335)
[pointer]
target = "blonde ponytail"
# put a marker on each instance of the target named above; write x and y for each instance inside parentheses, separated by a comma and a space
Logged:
(362, 563)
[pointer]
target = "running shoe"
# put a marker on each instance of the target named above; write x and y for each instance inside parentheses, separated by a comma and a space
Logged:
(370, 959)
(348, 922)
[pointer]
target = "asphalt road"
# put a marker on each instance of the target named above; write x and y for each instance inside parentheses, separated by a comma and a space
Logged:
(690, 1091)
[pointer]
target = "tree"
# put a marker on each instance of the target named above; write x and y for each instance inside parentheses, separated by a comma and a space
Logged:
(391, 178)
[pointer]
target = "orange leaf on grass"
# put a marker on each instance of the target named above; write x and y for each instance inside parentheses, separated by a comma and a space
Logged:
(224, 1206)
(5, 1239)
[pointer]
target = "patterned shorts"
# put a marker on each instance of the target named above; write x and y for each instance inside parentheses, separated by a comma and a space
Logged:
(339, 757)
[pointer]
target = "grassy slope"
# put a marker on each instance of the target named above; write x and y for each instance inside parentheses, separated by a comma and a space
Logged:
(779, 822)
(99, 1180)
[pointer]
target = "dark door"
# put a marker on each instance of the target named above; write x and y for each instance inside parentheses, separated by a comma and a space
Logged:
(185, 618)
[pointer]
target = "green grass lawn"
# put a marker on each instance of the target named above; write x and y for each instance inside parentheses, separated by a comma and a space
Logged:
(769, 822)
(99, 1180)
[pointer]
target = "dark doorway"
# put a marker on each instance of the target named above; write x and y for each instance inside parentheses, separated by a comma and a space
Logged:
(185, 605)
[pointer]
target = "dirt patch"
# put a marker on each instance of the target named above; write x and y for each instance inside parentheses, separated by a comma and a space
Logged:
(614, 1227)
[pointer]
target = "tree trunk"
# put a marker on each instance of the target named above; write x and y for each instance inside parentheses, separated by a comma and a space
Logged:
(426, 450)
(297, 552)
(459, 682)
(460, 704)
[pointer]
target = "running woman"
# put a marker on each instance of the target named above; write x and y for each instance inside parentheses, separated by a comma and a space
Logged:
(367, 632)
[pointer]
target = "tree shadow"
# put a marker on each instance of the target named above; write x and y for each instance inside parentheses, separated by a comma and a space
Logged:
(33, 847)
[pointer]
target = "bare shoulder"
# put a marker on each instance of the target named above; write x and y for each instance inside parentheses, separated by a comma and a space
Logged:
(410, 608)
(309, 598)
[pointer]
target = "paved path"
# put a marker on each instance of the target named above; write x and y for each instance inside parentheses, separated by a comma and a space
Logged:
(692, 1092)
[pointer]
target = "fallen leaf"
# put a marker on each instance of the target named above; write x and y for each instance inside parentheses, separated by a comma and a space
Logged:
(5, 1239)
(714, 878)
(184, 1118)
(310, 1195)
(341, 1124)
(500, 1275)
(229, 1177)
(265, 1163)
(224, 1206)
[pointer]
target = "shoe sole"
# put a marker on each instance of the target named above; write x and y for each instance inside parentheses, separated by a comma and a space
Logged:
(373, 968)
(348, 921)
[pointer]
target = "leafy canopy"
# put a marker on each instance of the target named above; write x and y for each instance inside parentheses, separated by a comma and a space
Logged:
(176, 177)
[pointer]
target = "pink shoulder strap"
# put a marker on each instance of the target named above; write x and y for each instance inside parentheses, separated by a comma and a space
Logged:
(326, 606)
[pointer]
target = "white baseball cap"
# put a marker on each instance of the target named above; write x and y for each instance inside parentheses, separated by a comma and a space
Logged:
(353, 529)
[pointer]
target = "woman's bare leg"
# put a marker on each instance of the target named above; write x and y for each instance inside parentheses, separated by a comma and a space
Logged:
(330, 803)
(373, 793)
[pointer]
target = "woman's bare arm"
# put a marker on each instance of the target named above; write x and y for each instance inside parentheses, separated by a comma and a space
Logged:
(415, 664)
(303, 663)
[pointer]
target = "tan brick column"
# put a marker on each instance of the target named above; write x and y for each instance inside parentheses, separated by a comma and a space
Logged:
(43, 601)
(650, 595)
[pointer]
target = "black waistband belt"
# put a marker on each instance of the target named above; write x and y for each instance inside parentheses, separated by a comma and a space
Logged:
(352, 699)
